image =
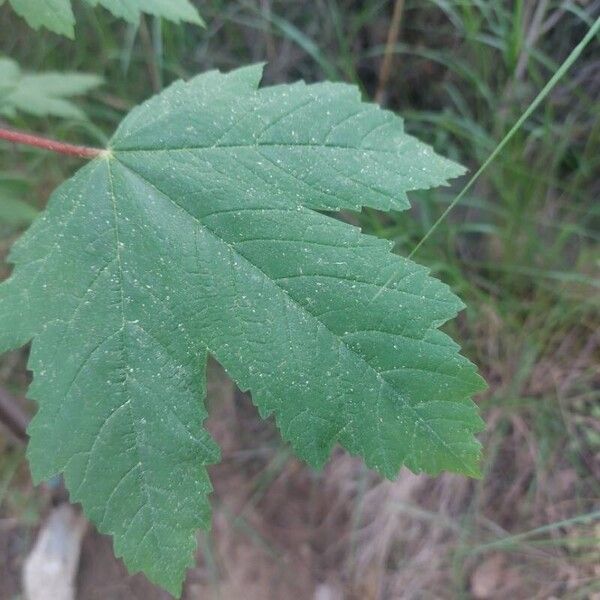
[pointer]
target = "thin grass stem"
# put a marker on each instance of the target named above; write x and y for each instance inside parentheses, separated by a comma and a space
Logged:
(536, 102)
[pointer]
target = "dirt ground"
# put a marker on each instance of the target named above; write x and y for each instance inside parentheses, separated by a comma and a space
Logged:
(260, 544)
(282, 531)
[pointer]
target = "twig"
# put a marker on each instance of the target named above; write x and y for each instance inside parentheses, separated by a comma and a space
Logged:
(20, 137)
(269, 42)
(388, 56)
(12, 417)
(153, 68)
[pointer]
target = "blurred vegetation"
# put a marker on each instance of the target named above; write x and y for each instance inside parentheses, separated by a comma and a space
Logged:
(522, 249)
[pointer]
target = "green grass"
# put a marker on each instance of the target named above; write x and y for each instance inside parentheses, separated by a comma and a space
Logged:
(520, 246)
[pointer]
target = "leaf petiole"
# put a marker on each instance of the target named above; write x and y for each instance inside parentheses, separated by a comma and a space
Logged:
(20, 137)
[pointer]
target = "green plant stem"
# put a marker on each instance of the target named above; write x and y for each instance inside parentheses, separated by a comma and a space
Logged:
(20, 137)
(539, 98)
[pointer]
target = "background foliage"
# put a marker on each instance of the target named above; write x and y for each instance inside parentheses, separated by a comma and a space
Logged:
(521, 251)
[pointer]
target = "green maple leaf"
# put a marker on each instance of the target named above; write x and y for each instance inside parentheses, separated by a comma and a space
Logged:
(197, 233)
(57, 15)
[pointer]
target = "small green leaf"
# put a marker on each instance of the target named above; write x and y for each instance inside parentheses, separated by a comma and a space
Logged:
(9, 77)
(14, 212)
(57, 15)
(172, 10)
(199, 233)
(42, 94)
